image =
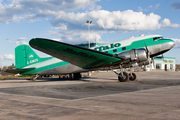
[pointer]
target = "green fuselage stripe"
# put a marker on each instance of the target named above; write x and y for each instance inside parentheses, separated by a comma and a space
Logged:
(136, 44)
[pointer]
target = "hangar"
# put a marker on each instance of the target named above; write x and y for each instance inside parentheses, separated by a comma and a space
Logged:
(162, 64)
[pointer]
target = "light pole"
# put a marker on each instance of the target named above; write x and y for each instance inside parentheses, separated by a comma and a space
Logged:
(1, 68)
(88, 23)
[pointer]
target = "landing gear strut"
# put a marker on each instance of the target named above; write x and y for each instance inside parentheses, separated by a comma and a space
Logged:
(35, 77)
(132, 76)
(124, 76)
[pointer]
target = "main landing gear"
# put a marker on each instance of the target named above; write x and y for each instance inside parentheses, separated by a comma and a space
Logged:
(124, 76)
(74, 76)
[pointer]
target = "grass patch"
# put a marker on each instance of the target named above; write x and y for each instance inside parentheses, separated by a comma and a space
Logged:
(14, 77)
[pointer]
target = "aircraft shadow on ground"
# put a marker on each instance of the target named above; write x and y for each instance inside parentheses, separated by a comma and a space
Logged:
(84, 90)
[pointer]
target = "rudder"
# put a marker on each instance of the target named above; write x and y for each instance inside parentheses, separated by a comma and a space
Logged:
(25, 56)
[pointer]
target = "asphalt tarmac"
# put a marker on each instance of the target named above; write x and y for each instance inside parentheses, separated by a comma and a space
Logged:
(155, 95)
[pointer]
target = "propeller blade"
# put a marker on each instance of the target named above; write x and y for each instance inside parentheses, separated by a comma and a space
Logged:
(146, 46)
(163, 57)
(147, 51)
(153, 62)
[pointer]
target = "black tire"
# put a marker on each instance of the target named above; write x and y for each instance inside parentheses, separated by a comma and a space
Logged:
(133, 77)
(77, 76)
(125, 77)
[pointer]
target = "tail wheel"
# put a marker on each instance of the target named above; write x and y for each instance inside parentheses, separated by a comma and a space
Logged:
(133, 77)
(34, 78)
(123, 78)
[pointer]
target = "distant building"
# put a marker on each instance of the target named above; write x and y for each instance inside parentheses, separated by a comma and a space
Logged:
(163, 64)
(11, 67)
(87, 45)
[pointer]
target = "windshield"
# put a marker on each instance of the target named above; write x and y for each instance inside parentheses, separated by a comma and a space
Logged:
(157, 38)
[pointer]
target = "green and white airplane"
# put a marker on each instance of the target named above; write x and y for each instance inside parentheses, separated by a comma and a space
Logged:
(73, 60)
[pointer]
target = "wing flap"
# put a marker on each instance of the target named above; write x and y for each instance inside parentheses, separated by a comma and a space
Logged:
(82, 57)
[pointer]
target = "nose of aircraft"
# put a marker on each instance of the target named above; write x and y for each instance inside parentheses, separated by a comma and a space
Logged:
(171, 44)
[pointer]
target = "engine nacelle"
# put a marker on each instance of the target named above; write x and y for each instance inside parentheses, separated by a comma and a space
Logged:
(135, 55)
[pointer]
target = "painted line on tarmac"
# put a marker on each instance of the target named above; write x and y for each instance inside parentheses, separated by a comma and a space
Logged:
(33, 96)
(59, 98)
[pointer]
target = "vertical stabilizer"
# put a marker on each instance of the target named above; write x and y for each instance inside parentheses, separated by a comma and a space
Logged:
(25, 56)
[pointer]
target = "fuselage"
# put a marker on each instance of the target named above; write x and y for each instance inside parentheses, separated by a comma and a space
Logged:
(155, 44)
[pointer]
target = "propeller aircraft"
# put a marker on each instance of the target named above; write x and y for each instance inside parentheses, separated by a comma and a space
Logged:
(73, 60)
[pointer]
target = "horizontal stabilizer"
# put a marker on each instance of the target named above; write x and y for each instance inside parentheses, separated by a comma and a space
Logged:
(79, 56)
(20, 71)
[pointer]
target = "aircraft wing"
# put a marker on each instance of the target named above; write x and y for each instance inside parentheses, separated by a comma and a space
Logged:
(79, 56)
(20, 71)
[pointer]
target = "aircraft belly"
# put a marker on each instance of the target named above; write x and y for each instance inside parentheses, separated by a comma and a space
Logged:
(66, 69)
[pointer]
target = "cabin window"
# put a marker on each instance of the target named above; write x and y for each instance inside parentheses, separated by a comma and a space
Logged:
(106, 51)
(124, 48)
(115, 50)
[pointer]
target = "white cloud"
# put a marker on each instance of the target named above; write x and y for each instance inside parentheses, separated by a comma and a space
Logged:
(21, 38)
(150, 8)
(157, 6)
(167, 23)
(79, 36)
(70, 26)
(9, 41)
(21, 42)
(17, 10)
(177, 42)
(7, 57)
(115, 21)
(61, 26)
(1, 57)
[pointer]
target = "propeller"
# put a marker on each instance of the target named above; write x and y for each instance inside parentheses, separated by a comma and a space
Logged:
(147, 52)
(153, 62)
(163, 57)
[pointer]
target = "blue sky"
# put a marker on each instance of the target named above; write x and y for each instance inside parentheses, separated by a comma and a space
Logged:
(65, 20)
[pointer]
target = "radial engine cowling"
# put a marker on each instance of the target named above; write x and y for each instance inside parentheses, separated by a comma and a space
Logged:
(135, 55)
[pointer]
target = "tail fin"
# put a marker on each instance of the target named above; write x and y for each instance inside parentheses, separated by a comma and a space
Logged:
(25, 56)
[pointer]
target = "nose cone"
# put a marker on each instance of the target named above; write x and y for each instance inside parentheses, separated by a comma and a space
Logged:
(171, 44)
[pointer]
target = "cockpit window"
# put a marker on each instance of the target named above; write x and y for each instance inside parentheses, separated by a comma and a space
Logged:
(157, 38)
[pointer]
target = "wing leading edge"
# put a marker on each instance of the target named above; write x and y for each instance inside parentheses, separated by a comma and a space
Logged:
(82, 57)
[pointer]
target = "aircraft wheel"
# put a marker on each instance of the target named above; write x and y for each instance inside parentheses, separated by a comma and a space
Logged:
(133, 77)
(125, 77)
(77, 76)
